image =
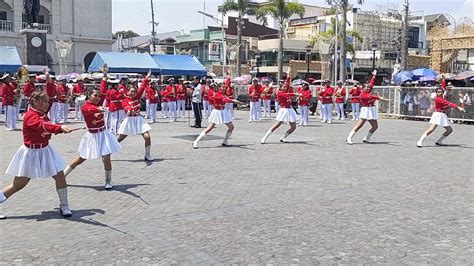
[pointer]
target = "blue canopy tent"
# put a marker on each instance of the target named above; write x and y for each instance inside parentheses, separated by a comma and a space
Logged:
(9, 59)
(124, 62)
(179, 65)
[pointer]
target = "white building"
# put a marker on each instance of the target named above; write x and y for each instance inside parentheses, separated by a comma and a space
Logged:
(87, 23)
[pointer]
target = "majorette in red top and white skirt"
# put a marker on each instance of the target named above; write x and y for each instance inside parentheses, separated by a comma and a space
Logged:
(439, 117)
(134, 123)
(97, 141)
(36, 158)
(220, 115)
(286, 113)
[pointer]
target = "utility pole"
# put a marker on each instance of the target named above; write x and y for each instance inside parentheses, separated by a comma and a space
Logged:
(404, 37)
(153, 33)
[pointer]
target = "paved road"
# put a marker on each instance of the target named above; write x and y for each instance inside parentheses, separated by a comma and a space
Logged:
(313, 201)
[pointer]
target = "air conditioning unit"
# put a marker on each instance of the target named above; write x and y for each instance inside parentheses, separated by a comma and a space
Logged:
(290, 30)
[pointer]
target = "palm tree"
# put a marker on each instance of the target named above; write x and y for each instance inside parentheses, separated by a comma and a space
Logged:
(344, 4)
(329, 35)
(281, 11)
(243, 8)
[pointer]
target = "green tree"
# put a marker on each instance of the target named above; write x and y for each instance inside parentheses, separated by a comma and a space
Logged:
(242, 7)
(125, 34)
(329, 36)
(281, 11)
(344, 6)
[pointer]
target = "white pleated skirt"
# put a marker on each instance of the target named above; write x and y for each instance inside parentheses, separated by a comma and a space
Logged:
(287, 115)
(440, 119)
(35, 163)
(369, 113)
(219, 117)
(96, 145)
(134, 125)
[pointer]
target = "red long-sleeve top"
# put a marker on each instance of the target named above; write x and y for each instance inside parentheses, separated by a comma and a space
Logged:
(441, 104)
(133, 103)
(28, 89)
(181, 92)
(8, 93)
(61, 93)
(151, 94)
(342, 94)
(171, 93)
(116, 98)
(229, 92)
(37, 128)
(103, 93)
(219, 100)
(268, 95)
(210, 96)
(305, 96)
(79, 90)
(93, 116)
(284, 98)
(255, 93)
(326, 94)
(51, 91)
(205, 92)
(355, 93)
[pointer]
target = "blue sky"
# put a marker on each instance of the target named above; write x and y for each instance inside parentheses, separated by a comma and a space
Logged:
(182, 14)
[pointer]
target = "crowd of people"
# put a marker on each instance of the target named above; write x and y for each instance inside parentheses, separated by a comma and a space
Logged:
(112, 109)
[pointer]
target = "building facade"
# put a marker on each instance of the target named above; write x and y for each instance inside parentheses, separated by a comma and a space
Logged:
(85, 23)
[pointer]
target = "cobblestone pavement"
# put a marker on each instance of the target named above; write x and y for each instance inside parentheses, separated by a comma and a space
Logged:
(313, 201)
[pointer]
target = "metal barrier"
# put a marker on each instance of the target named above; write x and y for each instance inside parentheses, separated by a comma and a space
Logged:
(404, 102)
(417, 102)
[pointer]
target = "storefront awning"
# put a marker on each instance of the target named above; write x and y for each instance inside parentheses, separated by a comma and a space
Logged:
(123, 62)
(9, 59)
(179, 65)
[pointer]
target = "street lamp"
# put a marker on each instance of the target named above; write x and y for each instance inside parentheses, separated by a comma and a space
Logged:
(308, 60)
(374, 48)
(223, 51)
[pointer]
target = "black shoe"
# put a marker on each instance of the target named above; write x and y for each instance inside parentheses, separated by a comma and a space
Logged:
(197, 126)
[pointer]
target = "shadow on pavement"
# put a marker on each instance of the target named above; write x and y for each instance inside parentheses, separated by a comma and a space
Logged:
(77, 216)
(119, 188)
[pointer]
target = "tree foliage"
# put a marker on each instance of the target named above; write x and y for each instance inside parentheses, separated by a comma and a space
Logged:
(125, 34)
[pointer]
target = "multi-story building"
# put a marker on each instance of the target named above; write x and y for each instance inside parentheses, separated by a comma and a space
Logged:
(86, 23)
(164, 43)
(205, 44)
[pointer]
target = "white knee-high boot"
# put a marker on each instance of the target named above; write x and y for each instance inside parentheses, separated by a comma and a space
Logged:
(108, 180)
(195, 143)
(264, 139)
(63, 202)
(226, 138)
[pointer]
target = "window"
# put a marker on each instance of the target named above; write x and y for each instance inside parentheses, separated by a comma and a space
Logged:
(3, 15)
(195, 51)
(414, 37)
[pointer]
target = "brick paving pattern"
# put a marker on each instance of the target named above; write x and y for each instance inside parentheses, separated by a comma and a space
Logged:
(313, 201)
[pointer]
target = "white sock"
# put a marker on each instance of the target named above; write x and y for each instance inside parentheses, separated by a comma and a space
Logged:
(423, 137)
(200, 136)
(351, 134)
(67, 170)
(266, 136)
(285, 135)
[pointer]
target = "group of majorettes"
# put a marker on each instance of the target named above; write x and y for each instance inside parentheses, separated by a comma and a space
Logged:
(36, 158)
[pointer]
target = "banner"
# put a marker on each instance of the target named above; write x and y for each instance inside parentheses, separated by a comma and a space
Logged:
(214, 51)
